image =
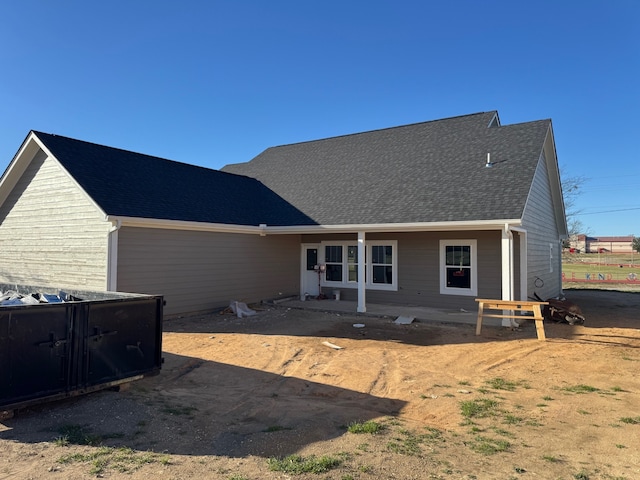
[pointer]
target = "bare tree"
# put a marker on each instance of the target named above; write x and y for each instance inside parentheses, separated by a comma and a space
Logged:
(571, 190)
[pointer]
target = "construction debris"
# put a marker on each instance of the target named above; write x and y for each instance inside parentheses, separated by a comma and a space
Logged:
(331, 345)
(13, 298)
(404, 320)
(241, 309)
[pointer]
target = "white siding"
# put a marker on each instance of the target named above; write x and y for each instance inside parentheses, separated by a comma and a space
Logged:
(199, 271)
(50, 233)
(544, 262)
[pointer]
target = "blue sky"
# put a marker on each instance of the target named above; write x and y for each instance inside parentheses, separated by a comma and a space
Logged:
(217, 82)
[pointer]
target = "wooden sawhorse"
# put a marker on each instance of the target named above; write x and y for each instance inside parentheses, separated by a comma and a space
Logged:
(515, 306)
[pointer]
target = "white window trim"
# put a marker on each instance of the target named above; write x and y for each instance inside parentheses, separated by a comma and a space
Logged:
(345, 283)
(444, 290)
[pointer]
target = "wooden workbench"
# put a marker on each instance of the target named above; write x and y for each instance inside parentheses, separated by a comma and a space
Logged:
(514, 306)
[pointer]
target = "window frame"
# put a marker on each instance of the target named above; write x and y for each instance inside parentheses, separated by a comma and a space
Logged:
(472, 291)
(346, 283)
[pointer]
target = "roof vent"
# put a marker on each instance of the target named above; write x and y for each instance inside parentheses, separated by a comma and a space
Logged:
(488, 164)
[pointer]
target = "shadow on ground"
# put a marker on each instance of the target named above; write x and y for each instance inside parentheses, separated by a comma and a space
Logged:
(197, 407)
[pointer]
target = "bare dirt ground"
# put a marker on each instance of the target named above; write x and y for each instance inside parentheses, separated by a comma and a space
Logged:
(237, 395)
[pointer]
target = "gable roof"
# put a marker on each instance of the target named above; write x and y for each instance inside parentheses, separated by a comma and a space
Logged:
(128, 184)
(426, 172)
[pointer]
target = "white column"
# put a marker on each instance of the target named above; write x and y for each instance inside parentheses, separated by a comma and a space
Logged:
(362, 303)
(112, 257)
(524, 267)
(507, 269)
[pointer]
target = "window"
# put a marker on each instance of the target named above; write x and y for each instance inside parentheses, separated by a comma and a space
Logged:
(341, 260)
(458, 267)
(382, 264)
(333, 261)
(352, 263)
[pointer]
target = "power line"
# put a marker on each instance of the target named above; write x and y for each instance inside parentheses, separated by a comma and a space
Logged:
(607, 211)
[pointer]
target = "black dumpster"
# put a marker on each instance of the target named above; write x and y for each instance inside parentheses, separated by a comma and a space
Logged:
(89, 341)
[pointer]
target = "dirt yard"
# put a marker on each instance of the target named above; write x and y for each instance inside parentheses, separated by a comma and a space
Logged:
(265, 398)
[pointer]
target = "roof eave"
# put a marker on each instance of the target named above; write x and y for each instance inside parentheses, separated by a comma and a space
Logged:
(264, 229)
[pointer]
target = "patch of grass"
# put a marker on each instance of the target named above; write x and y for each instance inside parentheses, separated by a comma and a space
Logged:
(581, 388)
(619, 445)
(581, 475)
(409, 443)
(547, 398)
(276, 428)
(618, 389)
(297, 464)
(122, 460)
(631, 420)
(179, 410)
(488, 446)
(366, 468)
(464, 383)
(550, 458)
(479, 408)
(238, 477)
(510, 419)
(365, 427)
(77, 435)
(503, 432)
(499, 383)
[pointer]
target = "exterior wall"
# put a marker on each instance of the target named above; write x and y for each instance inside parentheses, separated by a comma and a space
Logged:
(543, 241)
(200, 271)
(610, 245)
(50, 232)
(419, 269)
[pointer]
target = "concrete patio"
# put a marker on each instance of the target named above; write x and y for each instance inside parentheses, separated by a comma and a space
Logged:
(424, 314)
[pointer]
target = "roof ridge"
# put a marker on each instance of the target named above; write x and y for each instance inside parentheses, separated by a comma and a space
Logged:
(382, 129)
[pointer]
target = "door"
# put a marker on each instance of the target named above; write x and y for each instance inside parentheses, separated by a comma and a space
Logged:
(309, 283)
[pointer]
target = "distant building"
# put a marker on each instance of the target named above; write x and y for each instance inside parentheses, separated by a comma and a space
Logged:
(585, 244)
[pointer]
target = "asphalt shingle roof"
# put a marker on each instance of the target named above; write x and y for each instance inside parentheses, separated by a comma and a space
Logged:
(125, 183)
(425, 172)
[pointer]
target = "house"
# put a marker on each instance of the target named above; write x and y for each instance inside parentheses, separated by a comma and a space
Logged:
(433, 214)
(586, 244)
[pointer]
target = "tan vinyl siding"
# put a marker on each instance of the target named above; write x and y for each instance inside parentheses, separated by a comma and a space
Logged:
(543, 237)
(50, 232)
(199, 271)
(419, 268)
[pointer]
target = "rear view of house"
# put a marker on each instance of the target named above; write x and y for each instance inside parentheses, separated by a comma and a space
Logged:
(434, 214)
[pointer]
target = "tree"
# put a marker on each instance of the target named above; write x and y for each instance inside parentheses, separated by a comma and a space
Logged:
(571, 190)
(635, 244)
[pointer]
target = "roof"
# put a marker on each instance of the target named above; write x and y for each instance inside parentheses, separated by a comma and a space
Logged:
(425, 172)
(129, 184)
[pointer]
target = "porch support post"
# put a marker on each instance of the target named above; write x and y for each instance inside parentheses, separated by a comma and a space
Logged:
(507, 269)
(362, 304)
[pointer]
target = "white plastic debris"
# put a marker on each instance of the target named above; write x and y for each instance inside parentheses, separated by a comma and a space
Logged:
(241, 309)
(332, 345)
(404, 320)
(358, 325)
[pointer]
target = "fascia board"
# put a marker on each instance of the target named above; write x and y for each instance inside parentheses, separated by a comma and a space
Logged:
(397, 227)
(309, 229)
(17, 166)
(556, 183)
(184, 225)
